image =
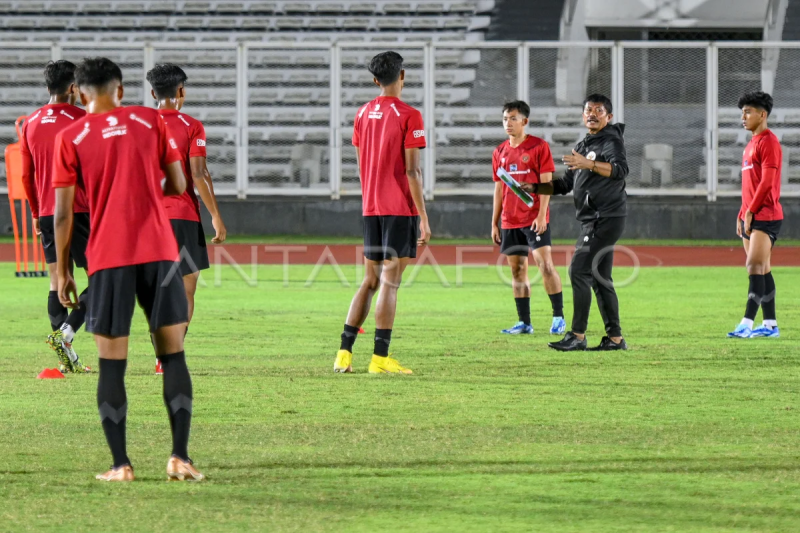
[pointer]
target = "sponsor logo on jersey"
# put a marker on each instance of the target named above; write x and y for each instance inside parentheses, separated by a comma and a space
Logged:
(375, 113)
(512, 168)
(173, 144)
(201, 142)
(419, 133)
(591, 156)
(77, 140)
(48, 118)
(114, 129)
(142, 122)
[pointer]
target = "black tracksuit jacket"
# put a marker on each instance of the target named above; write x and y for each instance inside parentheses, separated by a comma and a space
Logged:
(597, 196)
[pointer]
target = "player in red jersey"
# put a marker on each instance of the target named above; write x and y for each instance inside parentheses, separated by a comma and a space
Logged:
(759, 220)
(167, 82)
(36, 147)
(388, 135)
(121, 156)
(528, 160)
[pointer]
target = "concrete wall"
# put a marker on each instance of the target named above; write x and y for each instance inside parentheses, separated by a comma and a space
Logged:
(649, 217)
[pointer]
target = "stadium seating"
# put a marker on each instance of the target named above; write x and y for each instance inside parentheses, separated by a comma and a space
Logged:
(289, 89)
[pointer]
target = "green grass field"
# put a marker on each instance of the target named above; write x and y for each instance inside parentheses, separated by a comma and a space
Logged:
(688, 431)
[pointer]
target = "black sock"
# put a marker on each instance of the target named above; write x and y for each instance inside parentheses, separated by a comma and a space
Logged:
(178, 399)
(754, 296)
(112, 403)
(348, 338)
(524, 310)
(768, 303)
(557, 301)
(382, 339)
(56, 311)
(78, 316)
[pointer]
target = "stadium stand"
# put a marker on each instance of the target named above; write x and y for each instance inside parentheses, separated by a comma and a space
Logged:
(288, 90)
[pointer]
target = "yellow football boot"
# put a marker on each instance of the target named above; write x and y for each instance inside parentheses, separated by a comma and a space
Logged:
(386, 365)
(344, 362)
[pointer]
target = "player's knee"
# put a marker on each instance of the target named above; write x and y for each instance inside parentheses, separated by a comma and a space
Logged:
(519, 272)
(547, 269)
(371, 282)
(755, 268)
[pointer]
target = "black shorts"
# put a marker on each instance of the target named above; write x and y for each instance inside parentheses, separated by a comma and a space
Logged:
(191, 245)
(80, 239)
(390, 237)
(517, 241)
(770, 227)
(113, 294)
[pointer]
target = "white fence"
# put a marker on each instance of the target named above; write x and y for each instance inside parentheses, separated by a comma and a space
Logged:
(279, 115)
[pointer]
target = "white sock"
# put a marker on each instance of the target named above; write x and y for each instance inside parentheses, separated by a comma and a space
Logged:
(771, 323)
(67, 332)
(747, 322)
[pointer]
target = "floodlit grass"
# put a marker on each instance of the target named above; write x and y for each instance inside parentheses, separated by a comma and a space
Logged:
(688, 431)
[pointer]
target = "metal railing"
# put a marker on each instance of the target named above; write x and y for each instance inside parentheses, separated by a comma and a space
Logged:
(279, 115)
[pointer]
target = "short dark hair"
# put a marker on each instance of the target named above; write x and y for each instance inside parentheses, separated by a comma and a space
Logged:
(165, 79)
(599, 99)
(386, 67)
(757, 99)
(59, 75)
(97, 72)
(518, 105)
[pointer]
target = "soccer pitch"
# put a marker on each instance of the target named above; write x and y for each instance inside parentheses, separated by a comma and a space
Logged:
(688, 431)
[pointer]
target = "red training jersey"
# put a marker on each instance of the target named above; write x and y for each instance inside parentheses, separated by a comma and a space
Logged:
(761, 177)
(37, 146)
(526, 163)
(190, 136)
(120, 157)
(383, 130)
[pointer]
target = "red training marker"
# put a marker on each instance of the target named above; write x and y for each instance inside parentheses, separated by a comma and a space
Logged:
(50, 373)
(361, 330)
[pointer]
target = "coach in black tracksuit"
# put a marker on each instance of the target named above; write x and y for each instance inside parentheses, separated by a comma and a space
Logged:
(596, 176)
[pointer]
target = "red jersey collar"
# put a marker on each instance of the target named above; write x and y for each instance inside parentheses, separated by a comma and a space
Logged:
(528, 139)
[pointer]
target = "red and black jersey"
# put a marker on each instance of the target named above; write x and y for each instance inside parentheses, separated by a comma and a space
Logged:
(120, 159)
(761, 177)
(190, 136)
(37, 146)
(526, 163)
(383, 130)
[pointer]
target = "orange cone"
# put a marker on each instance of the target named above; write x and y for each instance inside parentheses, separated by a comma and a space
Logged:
(50, 373)
(361, 330)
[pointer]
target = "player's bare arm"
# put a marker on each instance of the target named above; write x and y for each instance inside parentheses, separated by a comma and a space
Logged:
(205, 188)
(414, 174)
(540, 224)
(175, 182)
(67, 290)
(497, 210)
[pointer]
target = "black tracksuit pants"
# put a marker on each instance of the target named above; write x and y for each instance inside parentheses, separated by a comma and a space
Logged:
(590, 269)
